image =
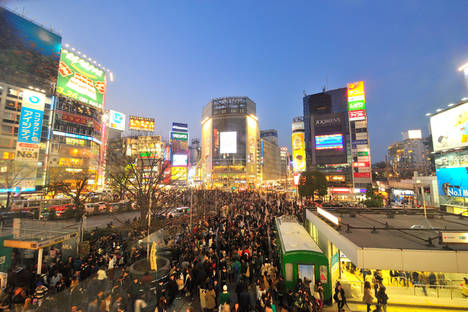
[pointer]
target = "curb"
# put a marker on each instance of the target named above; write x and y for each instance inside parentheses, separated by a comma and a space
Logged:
(464, 308)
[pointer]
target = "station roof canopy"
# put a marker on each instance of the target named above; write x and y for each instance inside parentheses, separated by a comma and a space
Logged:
(35, 234)
(396, 239)
(294, 236)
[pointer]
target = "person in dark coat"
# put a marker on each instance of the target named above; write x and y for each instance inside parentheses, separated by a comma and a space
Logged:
(172, 289)
(339, 296)
(244, 301)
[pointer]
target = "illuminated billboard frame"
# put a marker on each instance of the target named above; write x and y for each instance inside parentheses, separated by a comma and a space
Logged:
(356, 96)
(453, 182)
(141, 123)
(450, 128)
(329, 141)
(228, 142)
(298, 151)
(179, 160)
(80, 80)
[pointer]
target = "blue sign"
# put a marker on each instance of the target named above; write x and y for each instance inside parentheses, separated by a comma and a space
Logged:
(360, 142)
(30, 125)
(453, 182)
(330, 141)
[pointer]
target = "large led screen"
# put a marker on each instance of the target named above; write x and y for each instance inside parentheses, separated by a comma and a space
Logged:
(450, 128)
(179, 160)
(80, 80)
(330, 141)
(228, 142)
(29, 54)
(453, 182)
(298, 148)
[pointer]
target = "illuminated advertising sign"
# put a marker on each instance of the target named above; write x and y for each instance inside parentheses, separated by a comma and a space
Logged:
(141, 123)
(357, 115)
(335, 178)
(453, 182)
(228, 142)
(179, 160)
(80, 80)
(414, 134)
(179, 173)
(450, 128)
(180, 136)
(296, 177)
(77, 136)
(361, 164)
(361, 175)
(298, 152)
(116, 120)
(30, 126)
(356, 96)
(330, 141)
(340, 190)
(29, 53)
(179, 127)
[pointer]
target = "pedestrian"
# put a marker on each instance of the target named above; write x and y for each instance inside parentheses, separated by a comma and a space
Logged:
(210, 299)
(339, 296)
(367, 297)
(382, 298)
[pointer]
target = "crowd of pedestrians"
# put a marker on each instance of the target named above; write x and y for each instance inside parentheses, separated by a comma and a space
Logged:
(226, 261)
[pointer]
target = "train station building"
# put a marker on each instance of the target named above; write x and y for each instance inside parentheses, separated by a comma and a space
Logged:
(417, 257)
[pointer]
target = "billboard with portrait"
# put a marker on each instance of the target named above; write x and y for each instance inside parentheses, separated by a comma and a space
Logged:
(80, 80)
(298, 152)
(141, 123)
(453, 182)
(29, 53)
(450, 128)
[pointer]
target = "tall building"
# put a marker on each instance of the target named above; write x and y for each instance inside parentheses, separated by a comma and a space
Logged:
(336, 138)
(449, 128)
(29, 64)
(285, 165)
(195, 152)
(270, 158)
(409, 155)
(230, 142)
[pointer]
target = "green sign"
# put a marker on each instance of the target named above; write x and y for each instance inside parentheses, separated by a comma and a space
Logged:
(81, 80)
(362, 153)
(181, 136)
(358, 105)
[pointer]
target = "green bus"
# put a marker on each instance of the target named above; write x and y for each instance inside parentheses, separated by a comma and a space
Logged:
(300, 256)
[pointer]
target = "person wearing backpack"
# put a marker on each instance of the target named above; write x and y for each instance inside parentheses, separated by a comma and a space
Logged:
(339, 296)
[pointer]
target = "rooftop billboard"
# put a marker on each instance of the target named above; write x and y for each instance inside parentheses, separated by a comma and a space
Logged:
(116, 120)
(141, 123)
(29, 54)
(450, 128)
(80, 80)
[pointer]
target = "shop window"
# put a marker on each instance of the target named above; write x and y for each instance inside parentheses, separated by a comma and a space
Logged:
(289, 272)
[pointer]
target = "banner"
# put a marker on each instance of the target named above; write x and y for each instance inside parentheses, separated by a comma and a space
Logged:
(298, 151)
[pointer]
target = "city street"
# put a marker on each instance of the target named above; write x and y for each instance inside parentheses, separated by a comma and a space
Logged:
(102, 221)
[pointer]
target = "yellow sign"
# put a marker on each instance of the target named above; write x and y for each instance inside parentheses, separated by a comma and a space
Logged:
(179, 173)
(153, 264)
(298, 150)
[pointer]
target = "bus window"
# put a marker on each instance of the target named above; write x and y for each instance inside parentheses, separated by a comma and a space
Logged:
(289, 272)
(306, 271)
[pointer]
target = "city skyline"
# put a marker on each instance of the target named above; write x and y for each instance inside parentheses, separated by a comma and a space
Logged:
(175, 58)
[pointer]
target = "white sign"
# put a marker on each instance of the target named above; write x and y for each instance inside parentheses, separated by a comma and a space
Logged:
(116, 120)
(228, 142)
(179, 160)
(455, 237)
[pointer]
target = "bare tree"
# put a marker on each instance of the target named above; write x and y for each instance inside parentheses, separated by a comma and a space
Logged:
(13, 173)
(140, 178)
(71, 184)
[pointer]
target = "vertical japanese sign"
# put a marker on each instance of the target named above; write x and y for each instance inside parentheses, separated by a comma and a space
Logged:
(30, 126)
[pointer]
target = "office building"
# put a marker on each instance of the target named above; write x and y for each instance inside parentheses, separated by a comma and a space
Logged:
(230, 142)
(270, 157)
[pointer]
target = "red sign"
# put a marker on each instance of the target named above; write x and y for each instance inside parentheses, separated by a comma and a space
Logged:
(340, 190)
(361, 164)
(357, 115)
(362, 174)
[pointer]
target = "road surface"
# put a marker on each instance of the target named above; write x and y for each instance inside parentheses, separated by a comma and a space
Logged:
(93, 222)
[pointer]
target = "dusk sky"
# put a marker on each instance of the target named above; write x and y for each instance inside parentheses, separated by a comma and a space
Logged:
(171, 57)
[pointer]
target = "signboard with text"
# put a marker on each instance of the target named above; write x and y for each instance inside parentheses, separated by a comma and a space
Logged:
(80, 80)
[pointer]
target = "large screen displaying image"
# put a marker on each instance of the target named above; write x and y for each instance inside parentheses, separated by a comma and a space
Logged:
(179, 160)
(453, 182)
(141, 123)
(81, 80)
(450, 128)
(329, 141)
(228, 142)
(29, 54)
